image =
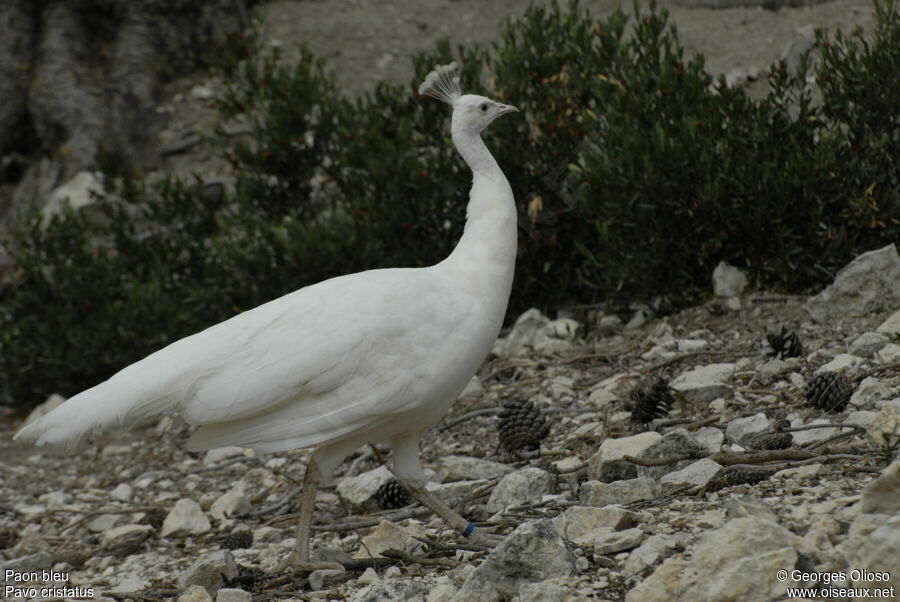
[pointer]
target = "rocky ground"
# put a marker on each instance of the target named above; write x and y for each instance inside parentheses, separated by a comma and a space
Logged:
(692, 504)
(694, 512)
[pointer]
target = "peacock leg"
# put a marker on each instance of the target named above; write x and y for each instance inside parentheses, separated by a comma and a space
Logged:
(450, 516)
(299, 558)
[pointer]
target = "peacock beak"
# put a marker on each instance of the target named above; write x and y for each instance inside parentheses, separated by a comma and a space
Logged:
(504, 109)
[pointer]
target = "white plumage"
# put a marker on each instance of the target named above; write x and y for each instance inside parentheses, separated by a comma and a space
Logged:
(362, 358)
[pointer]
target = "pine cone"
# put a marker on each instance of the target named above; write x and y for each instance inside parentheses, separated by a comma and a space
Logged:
(768, 440)
(785, 344)
(728, 476)
(522, 426)
(772, 439)
(155, 518)
(8, 538)
(392, 495)
(74, 555)
(239, 540)
(249, 578)
(829, 391)
(651, 400)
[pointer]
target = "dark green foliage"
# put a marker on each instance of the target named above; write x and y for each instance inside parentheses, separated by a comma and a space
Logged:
(396, 174)
(545, 64)
(634, 171)
(97, 290)
(292, 116)
(683, 172)
(860, 96)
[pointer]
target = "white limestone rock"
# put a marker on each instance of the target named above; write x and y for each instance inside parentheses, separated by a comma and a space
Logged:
(601, 397)
(360, 490)
(317, 578)
(872, 543)
(231, 503)
(868, 344)
(219, 454)
(609, 541)
(194, 593)
(728, 281)
(599, 494)
(882, 495)
(395, 590)
(676, 442)
(465, 468)
(869, 392)
(867, 284)
(452, 493)
(525, 486)
(581, 524)
(710, 437)
(651, 550)
(535, 331)
(77, 193)
(210, 571)
(547, 591)
(861, 418)
(474, 389)
(122, 492)
(663, 584)
(703, 384)
(607, 465)
(533, 553)
(886, 422)
(891, 326)
(842, 362)
(818, 434)
(889, 354)
(185, 518)
(388, 536)
(231, 594)
(697, 473)
(739, 428)
(740, 561)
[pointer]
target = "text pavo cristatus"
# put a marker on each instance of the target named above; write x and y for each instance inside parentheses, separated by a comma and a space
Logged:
(362, 358)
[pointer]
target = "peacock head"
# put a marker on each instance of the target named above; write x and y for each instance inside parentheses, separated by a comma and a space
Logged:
(471, 112)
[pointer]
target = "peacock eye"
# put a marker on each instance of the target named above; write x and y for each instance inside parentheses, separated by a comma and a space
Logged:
(484, 107)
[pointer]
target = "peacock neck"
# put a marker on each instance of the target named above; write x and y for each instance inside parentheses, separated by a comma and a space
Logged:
(485, 256)
(476, 155)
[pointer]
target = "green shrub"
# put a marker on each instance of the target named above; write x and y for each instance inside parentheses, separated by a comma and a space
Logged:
(546, 63)
(860, 96)
(683, 172)
(97, 290)
(291, 114)
(397, 175)
(634, 172)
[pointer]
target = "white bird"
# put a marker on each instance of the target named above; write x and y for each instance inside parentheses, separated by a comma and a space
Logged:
(362, 358)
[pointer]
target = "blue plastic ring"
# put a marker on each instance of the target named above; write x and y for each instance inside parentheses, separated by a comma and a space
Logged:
(469, 529)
